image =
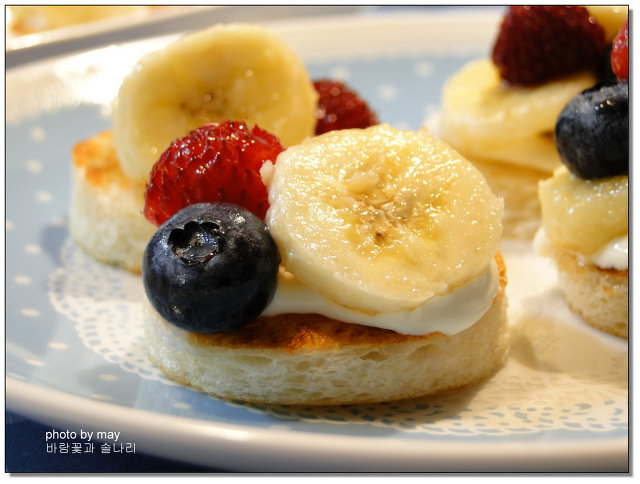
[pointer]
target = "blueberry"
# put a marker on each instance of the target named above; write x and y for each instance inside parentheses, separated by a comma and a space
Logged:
(592, 132)
(211, 268)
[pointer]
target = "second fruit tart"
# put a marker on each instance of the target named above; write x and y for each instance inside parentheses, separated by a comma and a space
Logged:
(242, 72)
(585, 204)
(375, 276)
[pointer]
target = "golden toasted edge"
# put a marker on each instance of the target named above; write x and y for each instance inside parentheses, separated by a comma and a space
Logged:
(95, 158)
(105, 217)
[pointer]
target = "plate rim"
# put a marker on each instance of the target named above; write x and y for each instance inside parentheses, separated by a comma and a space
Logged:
(304, 450)
(297, 450)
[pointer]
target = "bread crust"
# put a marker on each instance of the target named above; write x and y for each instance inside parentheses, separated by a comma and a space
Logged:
(600, 296)
(96, 158)
(308, 359)
(106, 217)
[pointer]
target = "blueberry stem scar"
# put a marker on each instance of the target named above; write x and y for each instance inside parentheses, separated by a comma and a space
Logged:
(197, 242)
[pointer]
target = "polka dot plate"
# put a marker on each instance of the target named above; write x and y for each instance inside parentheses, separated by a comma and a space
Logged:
(74, 351)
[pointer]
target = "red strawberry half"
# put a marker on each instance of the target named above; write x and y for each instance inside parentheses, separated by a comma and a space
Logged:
(620, 53)
(537, 44)
(339, 107)
(217, 162)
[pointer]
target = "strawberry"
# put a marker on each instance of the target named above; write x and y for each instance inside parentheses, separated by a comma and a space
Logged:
(620, 53)
(339, 107)
(218, 162)
(537, 44)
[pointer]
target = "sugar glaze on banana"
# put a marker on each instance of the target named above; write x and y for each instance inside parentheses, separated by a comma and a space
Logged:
(449, 314)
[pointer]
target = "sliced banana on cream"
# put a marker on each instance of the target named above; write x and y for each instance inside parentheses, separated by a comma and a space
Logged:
(237, 72)
(381, 219)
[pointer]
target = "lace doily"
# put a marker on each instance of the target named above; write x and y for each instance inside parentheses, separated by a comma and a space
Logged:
(557, 377)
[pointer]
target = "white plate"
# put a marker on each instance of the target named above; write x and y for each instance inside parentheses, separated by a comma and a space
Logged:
(74, 353)
(83, 32)
(143, 23)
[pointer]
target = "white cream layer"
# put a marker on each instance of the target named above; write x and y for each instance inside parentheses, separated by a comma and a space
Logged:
(448, 314)
(614, 254)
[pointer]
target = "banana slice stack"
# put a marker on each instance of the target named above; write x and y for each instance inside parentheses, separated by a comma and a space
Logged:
(240, 72)
(380, 219)
(488, 120)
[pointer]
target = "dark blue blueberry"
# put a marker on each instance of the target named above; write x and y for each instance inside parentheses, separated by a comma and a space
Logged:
(211, 268)
(592, 132)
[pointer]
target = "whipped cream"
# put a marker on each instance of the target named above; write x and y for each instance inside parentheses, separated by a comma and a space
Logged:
(613, 255)
(541, 243)
(449, 313)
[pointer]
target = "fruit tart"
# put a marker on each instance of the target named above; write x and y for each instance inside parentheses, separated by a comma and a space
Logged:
(500, 112)
(242, 72)
(585, 203)
(374, 274)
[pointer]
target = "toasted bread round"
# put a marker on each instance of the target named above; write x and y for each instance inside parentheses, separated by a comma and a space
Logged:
(308, 359)
(106, 216)
(599, 296)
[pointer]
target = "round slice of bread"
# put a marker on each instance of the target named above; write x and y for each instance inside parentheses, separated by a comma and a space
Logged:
(308, 359)
(106, 217)
(599, 296)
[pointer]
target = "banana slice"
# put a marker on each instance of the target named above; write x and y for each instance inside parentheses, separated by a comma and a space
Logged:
(571, 205)
(611, 17)
(239, 72)
(536, 152)
(481, 116)
(380, 219)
